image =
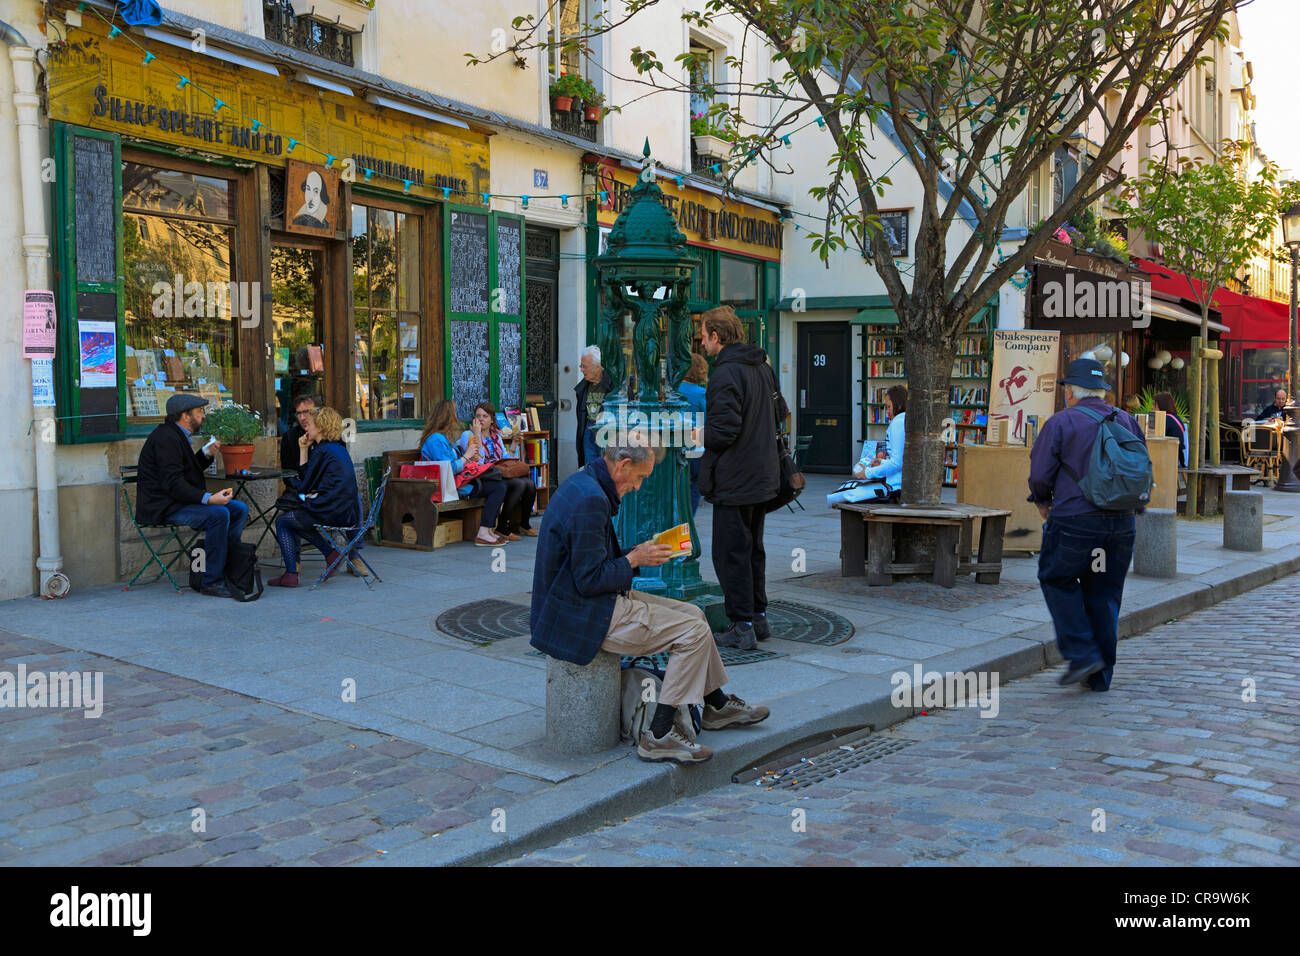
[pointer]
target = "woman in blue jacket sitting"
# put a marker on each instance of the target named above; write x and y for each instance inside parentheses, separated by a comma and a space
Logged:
(442, 428)
(326, 486)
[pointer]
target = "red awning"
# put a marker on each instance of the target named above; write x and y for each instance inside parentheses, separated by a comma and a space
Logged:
(1248, 317)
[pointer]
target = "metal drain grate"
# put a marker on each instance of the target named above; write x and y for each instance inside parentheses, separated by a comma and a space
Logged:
(791, 621)
(792, 772)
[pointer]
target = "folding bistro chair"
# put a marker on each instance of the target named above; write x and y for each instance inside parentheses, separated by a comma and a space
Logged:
(181, 536)
(801, 445)
(345, 539)
(1262, 451)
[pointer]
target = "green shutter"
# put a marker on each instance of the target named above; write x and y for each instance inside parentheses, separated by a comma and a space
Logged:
(87, 206)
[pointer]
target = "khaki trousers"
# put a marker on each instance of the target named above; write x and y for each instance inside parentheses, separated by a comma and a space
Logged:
(645, 624)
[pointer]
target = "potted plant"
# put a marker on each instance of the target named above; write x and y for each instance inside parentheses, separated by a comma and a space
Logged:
(564, 90)
(236, 427)
(594, 106)
(708, 137)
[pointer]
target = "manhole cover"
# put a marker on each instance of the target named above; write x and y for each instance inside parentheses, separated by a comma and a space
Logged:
(805, 624)
(483, 622)
(790, 771)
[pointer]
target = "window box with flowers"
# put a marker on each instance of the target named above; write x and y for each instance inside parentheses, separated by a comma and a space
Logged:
(709, 139)
(568, 91)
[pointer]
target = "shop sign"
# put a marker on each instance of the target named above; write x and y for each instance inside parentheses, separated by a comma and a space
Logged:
(1023, 389)
(103, 84)
(1075, 300)
(731, 225)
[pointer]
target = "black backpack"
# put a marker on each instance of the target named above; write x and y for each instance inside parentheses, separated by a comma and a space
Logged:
(242, 572)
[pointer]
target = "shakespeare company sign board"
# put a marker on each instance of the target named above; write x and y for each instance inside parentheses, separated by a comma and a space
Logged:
(1024, 381)
(733, 226)
(103, 84)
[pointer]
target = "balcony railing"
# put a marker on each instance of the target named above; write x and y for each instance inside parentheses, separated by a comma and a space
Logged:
(303, 33)
(573, 123)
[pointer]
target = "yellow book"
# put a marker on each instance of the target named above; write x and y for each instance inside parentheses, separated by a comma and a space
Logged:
(678, 538)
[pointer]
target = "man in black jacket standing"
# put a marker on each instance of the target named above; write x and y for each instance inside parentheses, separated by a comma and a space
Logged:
(739, 473)
(590, 391)
(171, 490)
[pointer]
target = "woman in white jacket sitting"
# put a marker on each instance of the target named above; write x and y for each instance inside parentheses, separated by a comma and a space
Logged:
(881, 474)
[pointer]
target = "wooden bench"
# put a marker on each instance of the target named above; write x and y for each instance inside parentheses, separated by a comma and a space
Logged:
(1214, 481)
(408, 500)
(867, 539)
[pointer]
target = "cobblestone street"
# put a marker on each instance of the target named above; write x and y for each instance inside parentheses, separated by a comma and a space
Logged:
(1177, 765)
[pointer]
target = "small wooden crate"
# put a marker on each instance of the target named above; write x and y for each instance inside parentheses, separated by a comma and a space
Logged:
(447, 532)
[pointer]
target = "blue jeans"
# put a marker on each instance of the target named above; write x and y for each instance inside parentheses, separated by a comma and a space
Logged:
(1081, 570)
(222, 527)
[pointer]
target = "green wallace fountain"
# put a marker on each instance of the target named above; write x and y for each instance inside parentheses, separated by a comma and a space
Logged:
(646, 274)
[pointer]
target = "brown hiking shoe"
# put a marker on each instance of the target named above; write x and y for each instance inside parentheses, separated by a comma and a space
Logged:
(672, 747)
(735, 713)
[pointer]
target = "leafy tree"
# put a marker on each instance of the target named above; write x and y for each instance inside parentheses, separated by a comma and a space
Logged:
(976, 94)
(1210, 222)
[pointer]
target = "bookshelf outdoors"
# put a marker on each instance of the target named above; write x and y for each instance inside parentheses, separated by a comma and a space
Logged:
(968, 391)
(535, 452)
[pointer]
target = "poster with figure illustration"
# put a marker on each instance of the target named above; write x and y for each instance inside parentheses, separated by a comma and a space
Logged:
(1024, 381)
(97, 354)
(311, 193)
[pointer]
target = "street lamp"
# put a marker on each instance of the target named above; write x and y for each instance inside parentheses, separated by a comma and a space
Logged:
(1291, 239)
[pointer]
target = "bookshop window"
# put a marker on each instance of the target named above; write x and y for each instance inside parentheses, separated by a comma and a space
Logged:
(738, 283)
(178, 240)
(386, 311)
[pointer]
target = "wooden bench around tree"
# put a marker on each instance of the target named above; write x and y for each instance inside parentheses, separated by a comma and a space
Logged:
(408, 500)
(867, 540)
(1214, 481)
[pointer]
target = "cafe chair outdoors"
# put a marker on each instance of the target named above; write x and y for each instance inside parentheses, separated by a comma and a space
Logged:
(182, 536)
(801, 445)
(345, 539)
(1262, 450)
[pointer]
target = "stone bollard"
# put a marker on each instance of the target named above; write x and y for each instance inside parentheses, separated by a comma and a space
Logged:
(582, 704)
(1243, 520)
(1155, 550)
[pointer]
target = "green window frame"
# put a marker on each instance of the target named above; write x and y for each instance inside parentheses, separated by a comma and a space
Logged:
(75, 409)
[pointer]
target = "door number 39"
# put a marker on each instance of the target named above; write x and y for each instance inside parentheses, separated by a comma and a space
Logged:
(819, 361)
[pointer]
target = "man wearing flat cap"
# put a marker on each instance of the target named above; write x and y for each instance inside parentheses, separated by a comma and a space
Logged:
(171, 490)
(1086, 549)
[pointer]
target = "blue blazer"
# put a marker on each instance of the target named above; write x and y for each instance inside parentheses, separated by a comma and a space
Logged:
(580, 567)
(330, 475)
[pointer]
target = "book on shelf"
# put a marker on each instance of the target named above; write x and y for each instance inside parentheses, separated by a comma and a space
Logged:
(968, 396)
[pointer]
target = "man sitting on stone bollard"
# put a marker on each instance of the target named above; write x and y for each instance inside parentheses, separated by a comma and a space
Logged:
(1087, 542)
(583, 602)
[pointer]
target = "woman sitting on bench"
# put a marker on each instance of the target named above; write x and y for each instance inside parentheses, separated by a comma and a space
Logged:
(880, 476)
(472, 481)
(326, 486)
(491, 450)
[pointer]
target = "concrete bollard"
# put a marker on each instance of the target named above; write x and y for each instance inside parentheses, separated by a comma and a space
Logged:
(1243, 520)
(1155, 550)
(582, 705)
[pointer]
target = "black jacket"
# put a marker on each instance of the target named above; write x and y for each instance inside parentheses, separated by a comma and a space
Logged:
(170, 475)
(580, 390)
(740, 465)
(289, 447)
(331, 479)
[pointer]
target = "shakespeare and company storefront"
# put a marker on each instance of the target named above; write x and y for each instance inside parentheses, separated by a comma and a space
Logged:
(251, 238)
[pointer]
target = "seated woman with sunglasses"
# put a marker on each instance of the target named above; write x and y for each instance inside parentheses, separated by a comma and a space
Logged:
(326, 486)
(473, 479)
(489, 446)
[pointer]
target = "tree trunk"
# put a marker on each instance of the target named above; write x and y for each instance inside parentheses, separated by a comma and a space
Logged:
(929, 372)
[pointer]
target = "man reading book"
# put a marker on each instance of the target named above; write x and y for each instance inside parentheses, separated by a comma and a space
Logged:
(583, 602)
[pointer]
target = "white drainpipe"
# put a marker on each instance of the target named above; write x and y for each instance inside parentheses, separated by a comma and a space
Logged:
(36, 255)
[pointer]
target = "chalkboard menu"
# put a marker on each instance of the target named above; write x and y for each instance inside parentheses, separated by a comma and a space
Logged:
(95, 210)
(509, 370)
(470, 366)
(468, 254)
(508, 265)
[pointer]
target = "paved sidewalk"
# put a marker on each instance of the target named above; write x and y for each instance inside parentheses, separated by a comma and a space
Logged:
(1171, 766)
(299, 651)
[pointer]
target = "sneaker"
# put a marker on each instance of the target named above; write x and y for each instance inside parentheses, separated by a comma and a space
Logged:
(672, 747)
(740, 635)
(761, 630)
(735, 713)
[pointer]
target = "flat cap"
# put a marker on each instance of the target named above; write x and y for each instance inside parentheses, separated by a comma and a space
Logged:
(183, 402)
